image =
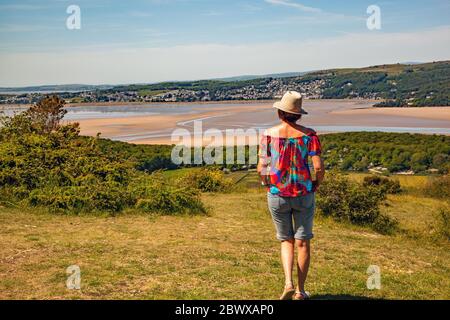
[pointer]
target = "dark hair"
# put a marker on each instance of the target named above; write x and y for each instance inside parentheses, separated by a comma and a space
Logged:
(288, 117)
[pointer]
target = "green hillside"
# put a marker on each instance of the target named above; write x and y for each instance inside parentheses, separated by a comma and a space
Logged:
(418, 85)
(425, 84)
(399, 85)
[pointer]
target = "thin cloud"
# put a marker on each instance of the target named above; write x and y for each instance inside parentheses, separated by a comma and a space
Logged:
(10, 28)
(249, 7)
(296, 5)
(19, 7)
(203, 61)
(212, 13)
(141, 14)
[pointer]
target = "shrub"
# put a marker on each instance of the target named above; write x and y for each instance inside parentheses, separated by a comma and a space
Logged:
(108, 197)
(345, 200)
(156, 163)
(438, 187)
(387, 185)
(43, 163)
(385, 224)
(207, 180)
(156, 195)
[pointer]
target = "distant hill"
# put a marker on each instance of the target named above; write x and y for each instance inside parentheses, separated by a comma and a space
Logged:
(55, 88)
(399, 84)
(395, 84)
(407, 84)
(87, 87)
(272, 75)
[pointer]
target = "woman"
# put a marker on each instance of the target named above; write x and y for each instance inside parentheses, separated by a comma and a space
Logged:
(283, 166)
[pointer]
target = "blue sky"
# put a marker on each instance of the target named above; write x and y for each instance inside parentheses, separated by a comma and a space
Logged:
(154, 40)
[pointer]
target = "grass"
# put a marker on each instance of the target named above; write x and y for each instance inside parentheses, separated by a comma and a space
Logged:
(390, 69)
(415, 211)
(229, 254)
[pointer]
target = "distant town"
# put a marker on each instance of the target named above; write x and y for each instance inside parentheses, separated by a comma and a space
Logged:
(272, 90)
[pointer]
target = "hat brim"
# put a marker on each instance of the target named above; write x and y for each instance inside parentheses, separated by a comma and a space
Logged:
(279, 106)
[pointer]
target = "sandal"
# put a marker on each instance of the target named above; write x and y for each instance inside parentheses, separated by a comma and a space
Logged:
(302, 295)
(288, 292)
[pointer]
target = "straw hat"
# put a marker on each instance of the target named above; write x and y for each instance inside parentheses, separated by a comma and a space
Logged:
(291, 103)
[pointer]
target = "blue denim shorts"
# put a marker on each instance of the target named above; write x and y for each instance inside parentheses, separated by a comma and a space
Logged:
(292, 216)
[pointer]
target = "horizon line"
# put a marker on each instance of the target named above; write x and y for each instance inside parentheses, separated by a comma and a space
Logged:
(262, 75)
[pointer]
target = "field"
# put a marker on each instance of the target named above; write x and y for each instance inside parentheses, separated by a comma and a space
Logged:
(230, 253)
(150, 92)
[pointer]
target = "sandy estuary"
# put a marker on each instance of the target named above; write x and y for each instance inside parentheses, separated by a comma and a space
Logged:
(155, 123)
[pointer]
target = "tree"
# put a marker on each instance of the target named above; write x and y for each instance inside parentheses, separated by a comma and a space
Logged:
(419, 161)
(439, 160)
(47, 114)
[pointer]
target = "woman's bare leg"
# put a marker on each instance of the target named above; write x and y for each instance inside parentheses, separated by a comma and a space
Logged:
(303, 247)
(287, 259)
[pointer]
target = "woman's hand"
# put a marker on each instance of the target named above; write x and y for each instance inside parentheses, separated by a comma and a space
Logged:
(265, 179)
(264, 172)
(315, 185)
(319, 169)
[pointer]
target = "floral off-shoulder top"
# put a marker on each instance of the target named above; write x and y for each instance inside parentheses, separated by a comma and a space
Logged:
(287, 163)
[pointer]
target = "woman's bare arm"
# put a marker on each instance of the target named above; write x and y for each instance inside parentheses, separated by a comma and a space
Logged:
(263, 159)
(319, 169)
(262, 169)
